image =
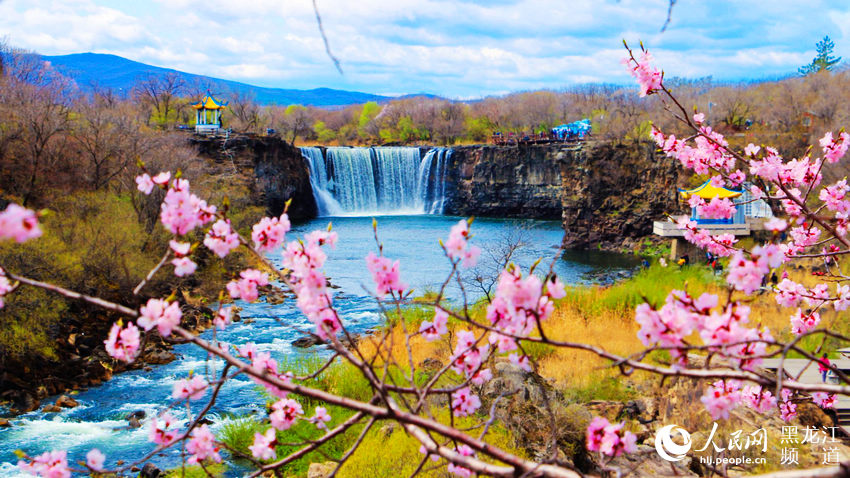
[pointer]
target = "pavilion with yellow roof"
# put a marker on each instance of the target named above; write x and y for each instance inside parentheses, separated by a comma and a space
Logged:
(749, 215)
(208, 114)
(708, 191)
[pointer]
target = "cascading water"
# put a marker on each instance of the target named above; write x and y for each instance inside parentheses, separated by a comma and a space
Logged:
(396, 177)
(431, 184)
(325, 202)
(381, 180)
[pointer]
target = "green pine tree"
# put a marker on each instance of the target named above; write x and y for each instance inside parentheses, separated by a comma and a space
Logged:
(824, 59)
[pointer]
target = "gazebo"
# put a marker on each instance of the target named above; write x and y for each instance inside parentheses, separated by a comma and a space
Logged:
(749, 215)
(208, 114)
(708, 191)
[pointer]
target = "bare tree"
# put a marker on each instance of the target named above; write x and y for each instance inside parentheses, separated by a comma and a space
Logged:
(160, 93)
(496, 256)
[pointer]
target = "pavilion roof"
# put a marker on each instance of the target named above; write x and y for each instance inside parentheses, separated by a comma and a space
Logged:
(209, 102)
(709, 191)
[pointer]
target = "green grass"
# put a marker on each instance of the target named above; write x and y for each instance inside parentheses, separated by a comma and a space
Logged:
(609, 388)
(214, 469)
(651, 284)
(238, 433)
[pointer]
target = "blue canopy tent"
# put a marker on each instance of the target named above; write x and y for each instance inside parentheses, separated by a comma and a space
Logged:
(574, 130)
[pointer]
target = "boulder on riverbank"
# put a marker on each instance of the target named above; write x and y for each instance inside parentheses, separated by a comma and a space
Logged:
(65, 401)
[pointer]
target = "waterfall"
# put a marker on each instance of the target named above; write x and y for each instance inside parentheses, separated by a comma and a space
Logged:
(380, 180)
(325, 202)
(431, 186)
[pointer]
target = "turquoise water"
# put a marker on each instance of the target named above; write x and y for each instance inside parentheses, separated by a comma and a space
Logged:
(100, 422)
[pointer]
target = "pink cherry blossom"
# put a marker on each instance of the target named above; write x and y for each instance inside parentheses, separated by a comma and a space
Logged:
(787, 408)
(285, 413)
(802, 322)
(463, 450)
(223, 317)
(161, 178)
(823, 399)
(481, 377)
(248, 351)
(5, 286)
(182, 211)
(95, 459)
(160, 314)
(789, 293)
(202, 446)
(722, 398)
(385, 274)
(179, 249)
(183, 266)
(609, 439)
(745, 275)
(270, 232)
(649, 78)
(520, 361)
(842, 299)
(192, 388)
(19, 223)
(470, 256)
(699, 118)
(834, 150)
(817, 295)
(162, 431)
(555, 288)
(776, 225)
(834, 195)
(263, 447)
(457, 246)
(752, 150)
(144, 183)
(246, 287)
(321, 418)
(433, 330)
(50, 464)
(321, 238)
(464, 402)
(123, 343)
(669, 325)
(758, 399)
(717, 208)
(467, 358)
(221, 239)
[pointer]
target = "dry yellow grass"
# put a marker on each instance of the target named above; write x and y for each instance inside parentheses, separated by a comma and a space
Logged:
(604, 317)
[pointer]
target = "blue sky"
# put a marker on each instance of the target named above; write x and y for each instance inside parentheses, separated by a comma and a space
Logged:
(459, 49)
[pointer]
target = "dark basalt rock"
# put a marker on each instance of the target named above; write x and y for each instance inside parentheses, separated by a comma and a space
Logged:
(612, 192)
(606, 193)
(65, 401)
(139, 414)
(504, 181)
(150, 471)
(307, 341)
(280, 172)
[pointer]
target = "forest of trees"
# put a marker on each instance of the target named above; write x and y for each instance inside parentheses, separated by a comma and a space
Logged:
(47, 122)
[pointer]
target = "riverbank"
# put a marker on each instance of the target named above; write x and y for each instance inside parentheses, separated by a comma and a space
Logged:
(545, 412)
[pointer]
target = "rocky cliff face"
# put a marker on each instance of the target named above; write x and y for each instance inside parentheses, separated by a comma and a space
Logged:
(279, 171)
(502, 181)
(611, 193)
(606, 194)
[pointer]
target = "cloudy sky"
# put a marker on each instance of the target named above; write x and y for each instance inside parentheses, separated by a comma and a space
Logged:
(459, 49)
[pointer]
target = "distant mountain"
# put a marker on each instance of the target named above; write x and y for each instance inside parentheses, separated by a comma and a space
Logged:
(120, 74)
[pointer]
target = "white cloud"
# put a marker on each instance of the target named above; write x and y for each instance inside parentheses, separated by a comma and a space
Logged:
(455, 48)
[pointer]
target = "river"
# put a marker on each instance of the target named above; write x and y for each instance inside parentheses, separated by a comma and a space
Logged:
(99, 421)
